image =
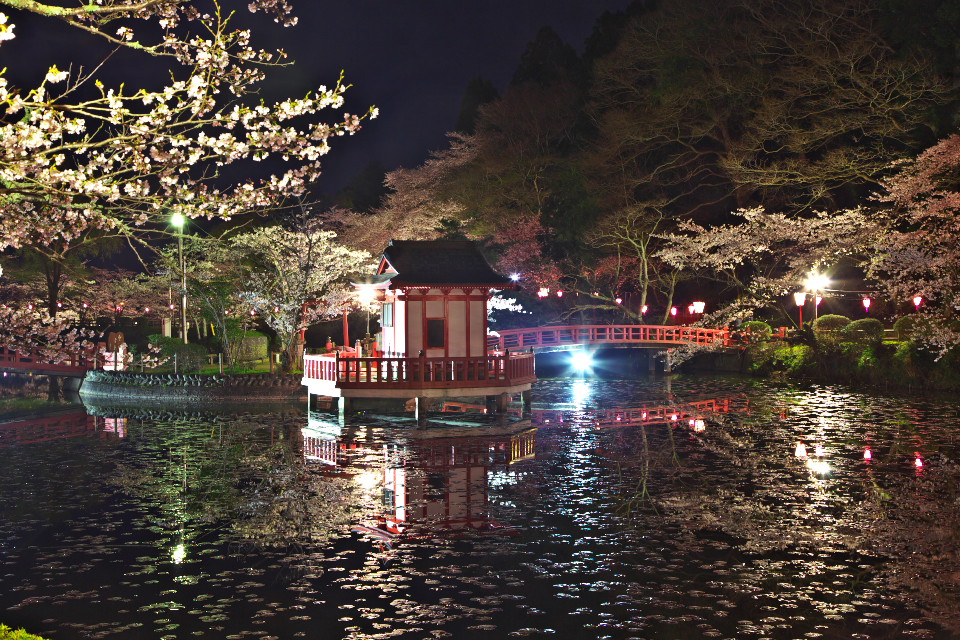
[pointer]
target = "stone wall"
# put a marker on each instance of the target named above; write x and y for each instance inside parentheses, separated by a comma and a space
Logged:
(258, 387)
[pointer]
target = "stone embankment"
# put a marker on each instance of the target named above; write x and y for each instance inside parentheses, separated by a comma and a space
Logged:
(258, 387)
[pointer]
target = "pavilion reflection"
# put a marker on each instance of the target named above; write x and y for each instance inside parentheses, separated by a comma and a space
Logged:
(426, 482)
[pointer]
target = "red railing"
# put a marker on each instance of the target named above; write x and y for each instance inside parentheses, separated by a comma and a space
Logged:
(73, 363)
(420, 372)
(539, 337)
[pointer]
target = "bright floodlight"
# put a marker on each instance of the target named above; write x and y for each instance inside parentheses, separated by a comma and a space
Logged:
(581, 360)
(817, 282)
(178, 220)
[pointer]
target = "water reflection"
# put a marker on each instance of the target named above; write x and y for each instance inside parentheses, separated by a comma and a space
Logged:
(689, 516)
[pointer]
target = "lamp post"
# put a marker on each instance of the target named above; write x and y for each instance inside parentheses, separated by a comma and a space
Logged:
(817, 282)
(800, 297)
(178, 221)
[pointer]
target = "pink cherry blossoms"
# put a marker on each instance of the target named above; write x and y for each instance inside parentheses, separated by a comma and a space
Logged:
(77, 154)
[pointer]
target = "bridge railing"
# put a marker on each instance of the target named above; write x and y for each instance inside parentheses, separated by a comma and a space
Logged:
(70, 362)
(607, 334)
(420, 372)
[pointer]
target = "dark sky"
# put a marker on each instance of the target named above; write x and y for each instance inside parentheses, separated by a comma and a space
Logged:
(413, 59)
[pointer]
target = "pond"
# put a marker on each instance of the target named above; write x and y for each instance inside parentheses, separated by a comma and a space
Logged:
(614, 509)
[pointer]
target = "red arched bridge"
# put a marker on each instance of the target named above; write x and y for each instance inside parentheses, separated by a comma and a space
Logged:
(75, 364)
(616, 334)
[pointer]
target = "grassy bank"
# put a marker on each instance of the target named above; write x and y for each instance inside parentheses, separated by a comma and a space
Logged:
(833, 349)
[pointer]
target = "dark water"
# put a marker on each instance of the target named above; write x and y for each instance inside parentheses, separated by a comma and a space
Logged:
(575, 523)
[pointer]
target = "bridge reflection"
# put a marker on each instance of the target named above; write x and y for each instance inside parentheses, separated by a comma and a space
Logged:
(73, 424)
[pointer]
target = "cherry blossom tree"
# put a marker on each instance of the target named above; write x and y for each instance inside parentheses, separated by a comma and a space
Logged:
(297, 275)
(80, 153)
(916, 252)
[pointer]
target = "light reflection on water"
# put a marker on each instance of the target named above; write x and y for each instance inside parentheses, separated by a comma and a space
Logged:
(273, 525)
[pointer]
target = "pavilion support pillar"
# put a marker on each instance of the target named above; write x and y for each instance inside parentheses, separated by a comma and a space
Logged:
(651, 362)
(503, 401)
(525, 397)
(344, 406)
(420, 411)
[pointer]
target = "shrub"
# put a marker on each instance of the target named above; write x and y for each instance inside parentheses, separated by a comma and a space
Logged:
(865, 331)
(758, 329)
(827, 329)
(8, 633)
(796, 359)
(905, 326)
(190, 357)
(253, 346)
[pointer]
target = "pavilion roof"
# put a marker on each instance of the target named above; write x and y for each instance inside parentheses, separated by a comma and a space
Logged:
(423, 263)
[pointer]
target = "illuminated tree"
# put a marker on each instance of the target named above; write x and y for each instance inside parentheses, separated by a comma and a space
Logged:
(79, 153)
(295, 276)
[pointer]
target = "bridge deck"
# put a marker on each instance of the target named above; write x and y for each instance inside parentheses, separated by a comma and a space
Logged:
(632, 334)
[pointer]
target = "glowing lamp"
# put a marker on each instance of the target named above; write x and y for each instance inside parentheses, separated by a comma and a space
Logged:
(559, 294)
(172, 307)
(30, 307)
(818, 300)
(801, 450)
(85, 305)
(692, 422)
(253, 312)
(514, 277)
(643, 309)
(276, 309)
(543, 292)
(817, 281)
(916, 302)
(619, 418)
(674, 417)
(690, 309)
(698, 306)
(699, 425)
(800, 298)
(59, 305)
(643, 416)
(866, 304)
(673, 311)
(619, 300)
(146, 309)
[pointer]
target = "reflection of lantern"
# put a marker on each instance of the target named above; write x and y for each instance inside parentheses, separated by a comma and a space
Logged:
(801, 450)
(698, 306)
(867, 454)
(866, 304)
(818, 450)
(916, 302)
(699, 426)
(918, 461)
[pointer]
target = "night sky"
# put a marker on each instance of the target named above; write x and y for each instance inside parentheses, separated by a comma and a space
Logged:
(414, 61)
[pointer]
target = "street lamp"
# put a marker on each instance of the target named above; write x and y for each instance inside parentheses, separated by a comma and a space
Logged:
(179, 221)
(800, 297)
(817, 282)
